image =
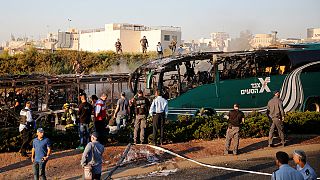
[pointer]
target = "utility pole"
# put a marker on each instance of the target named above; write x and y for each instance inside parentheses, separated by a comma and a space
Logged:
(69, 21)
(274, 42)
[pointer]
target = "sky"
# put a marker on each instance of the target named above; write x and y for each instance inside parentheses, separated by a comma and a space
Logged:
(197, 18)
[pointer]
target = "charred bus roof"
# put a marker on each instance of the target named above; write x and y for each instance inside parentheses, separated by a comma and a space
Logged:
(296, 54)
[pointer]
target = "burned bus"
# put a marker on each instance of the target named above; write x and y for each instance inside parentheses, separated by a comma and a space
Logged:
(214, 81)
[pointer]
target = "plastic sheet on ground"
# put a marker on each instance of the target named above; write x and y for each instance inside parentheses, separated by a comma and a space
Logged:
(163, 172)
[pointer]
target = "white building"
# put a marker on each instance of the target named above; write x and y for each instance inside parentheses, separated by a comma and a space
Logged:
(313, 34)
(129, 34)
(68, 40)
(262, 40)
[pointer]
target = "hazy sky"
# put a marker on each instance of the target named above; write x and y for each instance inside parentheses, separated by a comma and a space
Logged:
(198, 18)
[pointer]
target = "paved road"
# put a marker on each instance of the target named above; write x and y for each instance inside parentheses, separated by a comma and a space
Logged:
(262, 165)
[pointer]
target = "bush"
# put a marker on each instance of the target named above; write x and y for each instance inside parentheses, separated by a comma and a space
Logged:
(186, 128)
(61, 62)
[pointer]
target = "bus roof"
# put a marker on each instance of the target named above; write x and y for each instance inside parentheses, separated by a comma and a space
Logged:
(297, 54)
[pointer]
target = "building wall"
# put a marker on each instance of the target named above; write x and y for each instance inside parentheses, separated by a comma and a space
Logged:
(129, 38)
(313, 33)
(93, 41)
(261, 40)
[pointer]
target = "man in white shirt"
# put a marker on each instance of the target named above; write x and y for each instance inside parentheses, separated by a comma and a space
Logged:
(158, 111)
(26, 128)
(300, 158)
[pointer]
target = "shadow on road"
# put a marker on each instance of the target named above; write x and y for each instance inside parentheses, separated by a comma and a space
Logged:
(290, 140)
(27, 162)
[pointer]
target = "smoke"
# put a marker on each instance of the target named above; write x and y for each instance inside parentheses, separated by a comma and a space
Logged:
(120, 67)
(241, 43)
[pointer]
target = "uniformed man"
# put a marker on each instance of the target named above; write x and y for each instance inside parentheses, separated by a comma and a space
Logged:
(141, 105)
(300, 158)
(158, 111)
(69, 117)
(144, 44)
(118, 46)
(285, 172)
(276, 114)
(235, 118)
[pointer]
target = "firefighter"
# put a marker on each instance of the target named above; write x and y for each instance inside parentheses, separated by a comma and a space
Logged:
(69, 116)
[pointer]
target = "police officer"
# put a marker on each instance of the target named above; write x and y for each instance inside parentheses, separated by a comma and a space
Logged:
(141, 105)
(300, 158)
(285, 171)
(235, 118)
(158, 111)
(276, 114)
(26, 128)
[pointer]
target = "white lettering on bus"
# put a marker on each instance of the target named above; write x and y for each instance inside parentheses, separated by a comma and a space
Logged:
(249, 91)
(263, 85)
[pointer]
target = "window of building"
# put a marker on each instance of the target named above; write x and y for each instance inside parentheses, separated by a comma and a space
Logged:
(166, 37)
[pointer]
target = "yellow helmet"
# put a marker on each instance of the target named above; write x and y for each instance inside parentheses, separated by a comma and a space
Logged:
(66, 106)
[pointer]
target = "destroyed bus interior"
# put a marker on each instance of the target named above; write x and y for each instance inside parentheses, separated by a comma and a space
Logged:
(48, 93)
(173, 76)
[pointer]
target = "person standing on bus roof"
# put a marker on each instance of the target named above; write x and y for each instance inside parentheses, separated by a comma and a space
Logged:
(235, 118)
(276, 113)
(158, 111)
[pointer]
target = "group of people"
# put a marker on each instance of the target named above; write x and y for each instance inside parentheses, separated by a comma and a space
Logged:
(276, 114)
(158, 109)
(144, 46)
(302, 171)
(41, 148)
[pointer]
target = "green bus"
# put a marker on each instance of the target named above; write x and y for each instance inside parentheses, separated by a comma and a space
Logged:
(214, 81)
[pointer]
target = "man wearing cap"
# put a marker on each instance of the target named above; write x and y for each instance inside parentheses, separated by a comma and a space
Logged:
(40, 154)
(285, 172)
(97, 159)
(276, 113)
(26, 127)
(122, 110)
(85, 111)
(235, 118)
(158, 111)
(300, 159)
(141, 105)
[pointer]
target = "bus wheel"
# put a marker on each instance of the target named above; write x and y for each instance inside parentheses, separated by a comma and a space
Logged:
(313, 104)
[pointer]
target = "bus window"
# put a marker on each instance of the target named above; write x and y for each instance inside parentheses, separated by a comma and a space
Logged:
(282, 69)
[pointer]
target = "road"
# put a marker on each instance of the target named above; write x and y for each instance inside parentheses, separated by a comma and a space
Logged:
(266, 165)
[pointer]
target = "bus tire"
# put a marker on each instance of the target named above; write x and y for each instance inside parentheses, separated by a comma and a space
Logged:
(313, 104)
